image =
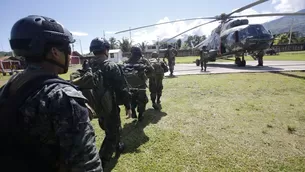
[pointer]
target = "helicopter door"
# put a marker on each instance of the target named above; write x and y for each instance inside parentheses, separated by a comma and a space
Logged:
(236, 36)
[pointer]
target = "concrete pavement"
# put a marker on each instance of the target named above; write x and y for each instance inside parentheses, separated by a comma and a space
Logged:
(230, 67)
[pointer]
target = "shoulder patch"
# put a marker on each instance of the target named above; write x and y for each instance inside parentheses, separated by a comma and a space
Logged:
(72, 92)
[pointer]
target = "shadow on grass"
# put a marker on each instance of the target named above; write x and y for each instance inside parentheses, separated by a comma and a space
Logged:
(133, 134)
(170, 77)
(289, 74)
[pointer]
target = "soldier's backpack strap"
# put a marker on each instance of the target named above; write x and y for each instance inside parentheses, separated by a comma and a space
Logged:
(15, 147)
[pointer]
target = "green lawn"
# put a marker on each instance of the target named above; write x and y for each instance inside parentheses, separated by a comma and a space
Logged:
(294, 56)
(223, 122)
(227, 122)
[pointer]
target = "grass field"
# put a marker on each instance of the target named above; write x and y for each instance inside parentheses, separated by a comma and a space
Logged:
(230, 122)
(224, 122)
(293, 56)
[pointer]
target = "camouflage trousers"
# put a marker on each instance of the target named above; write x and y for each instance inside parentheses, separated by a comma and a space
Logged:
(112, 126)
(203, 63)
(139, 100)
(155, 88)
(171, 64)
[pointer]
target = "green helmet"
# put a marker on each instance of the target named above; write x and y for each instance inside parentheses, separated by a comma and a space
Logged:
(154, 55)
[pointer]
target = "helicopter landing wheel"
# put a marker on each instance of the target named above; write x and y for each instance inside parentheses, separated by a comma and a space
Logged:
(243, 63)
(197, 62)
(237, 61)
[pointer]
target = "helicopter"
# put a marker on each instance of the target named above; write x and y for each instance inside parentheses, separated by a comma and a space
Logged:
(233, 37)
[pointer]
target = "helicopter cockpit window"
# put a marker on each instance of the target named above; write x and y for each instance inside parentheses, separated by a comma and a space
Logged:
(252, 30)
(261, 30)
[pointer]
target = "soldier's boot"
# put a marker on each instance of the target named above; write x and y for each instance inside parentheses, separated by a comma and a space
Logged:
(155, 106)
(205, 67)
(140, 117)
(153, 100)
(159, 102)
(119, 149)
(134, 113)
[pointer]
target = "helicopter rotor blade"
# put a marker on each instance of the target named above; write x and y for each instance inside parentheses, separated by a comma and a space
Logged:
(127, 30)
(247, 6)
(268, 15)
(191, 29)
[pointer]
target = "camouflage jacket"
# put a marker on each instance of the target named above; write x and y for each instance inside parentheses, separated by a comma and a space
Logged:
(170, 54)
(149, 69)
(58, 116)
(114, 78)
(204, 55)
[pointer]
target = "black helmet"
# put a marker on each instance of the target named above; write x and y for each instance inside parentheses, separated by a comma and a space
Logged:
(169, 46)
(136, 51)
(99, 45)
(30, 35)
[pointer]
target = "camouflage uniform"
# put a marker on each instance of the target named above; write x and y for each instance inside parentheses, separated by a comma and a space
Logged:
(171, 54)
(57, 114)
(139, 98)
(55, 118)
(86, 65)
(114, 81)
(156, 80)
(204, 59)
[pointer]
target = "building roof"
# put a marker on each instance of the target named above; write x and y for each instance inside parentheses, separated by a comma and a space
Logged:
(115, 50)
(75, 53)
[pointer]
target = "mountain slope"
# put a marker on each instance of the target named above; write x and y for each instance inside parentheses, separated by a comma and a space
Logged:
(283, 24)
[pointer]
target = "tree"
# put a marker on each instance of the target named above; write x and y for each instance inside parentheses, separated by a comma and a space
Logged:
(113, 43)
(142, 46)
(184, 46)
(203, 37)
(125, 45)
(301, 40)
(179, 42)
(189, 41)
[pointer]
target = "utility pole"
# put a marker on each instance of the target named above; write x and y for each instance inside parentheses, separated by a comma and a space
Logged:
(81, 48)
(104, 34)
(158, 45)
(72, 47)
(291, 31)
(129, 34)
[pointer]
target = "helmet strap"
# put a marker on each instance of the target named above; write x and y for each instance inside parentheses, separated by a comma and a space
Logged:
(65, 67)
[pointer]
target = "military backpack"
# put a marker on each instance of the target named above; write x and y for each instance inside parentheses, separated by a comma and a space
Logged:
(135, 75)
(95, 89)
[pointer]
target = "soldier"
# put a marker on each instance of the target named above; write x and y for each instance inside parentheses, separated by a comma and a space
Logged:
(156, 79)
(86, 65)
(116, 85)
(170, 54)
(137, 79)
(204, 58)
(44, 124)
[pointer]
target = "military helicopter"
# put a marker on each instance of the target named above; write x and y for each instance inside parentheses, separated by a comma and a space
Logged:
(233, 37)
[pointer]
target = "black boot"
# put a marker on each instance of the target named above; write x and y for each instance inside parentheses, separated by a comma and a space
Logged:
(155, 106)
(134, 113)
(140, 117)
(119, 149)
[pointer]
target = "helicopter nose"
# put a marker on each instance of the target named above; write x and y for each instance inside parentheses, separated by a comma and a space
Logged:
(258, 42)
